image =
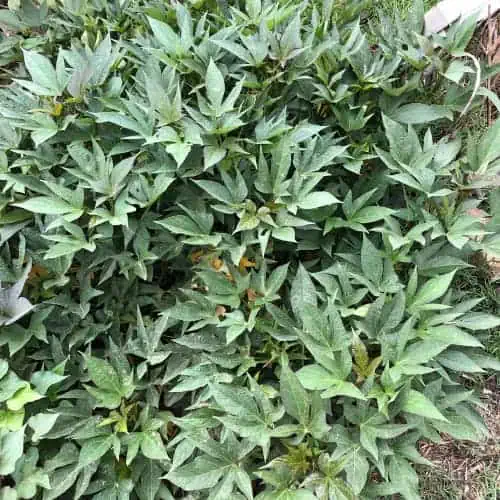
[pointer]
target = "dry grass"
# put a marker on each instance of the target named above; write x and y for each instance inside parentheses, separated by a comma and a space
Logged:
(490, 47)
(466, 470)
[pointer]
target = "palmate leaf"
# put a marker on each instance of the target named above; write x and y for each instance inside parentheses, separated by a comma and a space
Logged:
(279, 479)
(111, 386)
(218, 468)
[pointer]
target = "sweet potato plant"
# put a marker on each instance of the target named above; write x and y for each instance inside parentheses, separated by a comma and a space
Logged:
(229, 235)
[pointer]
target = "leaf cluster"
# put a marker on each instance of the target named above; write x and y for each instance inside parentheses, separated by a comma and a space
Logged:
(229, 233)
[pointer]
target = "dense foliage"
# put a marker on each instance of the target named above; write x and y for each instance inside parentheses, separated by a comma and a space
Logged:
(229, 234)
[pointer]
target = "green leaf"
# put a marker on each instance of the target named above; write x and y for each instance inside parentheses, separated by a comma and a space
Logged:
(478, 321)
(276, 279)
(415, 402)
(4, 368)
(294, 397)
(357, 469)
(9, 385)
(237, 401)
(253, 8)
(164, 34)
(103, 374)
(214, 82)
(11, 450)
(22, 397)
(11, 420)
(317, 199)
(456, 70)
(449, 334)
(179, 151)
(181, 224)
(93, 449)
(461, 32)
(216, 190)
(403, 141)
(433, 289)
(42, 72)
(343, 388)
(303, 292)
(41, 424)
(371, 262)
(203, 472)
(315, 377)
(421, 113)
(152, 446)
(212, 155)
(368, 439)
(43, 380)
(287, 494)
(459, 362)
(372, 214)
(61, 481)
(47, 205)
(423, 351)
(489, 148)
(8, 493)
(150, 482)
